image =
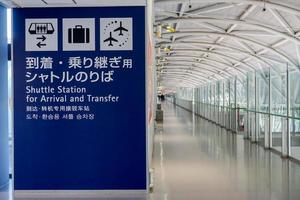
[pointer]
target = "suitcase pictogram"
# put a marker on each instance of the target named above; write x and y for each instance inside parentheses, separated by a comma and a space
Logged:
(78, 35)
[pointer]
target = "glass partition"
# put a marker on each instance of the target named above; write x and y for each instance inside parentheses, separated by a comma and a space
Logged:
(245, 104)
(263, 104)
(295, 138)
(232, 106)
(278, 106)
(295, 113)
(251, 92)
(241, 98)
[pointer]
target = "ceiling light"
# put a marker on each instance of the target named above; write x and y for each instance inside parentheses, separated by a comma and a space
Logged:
(170, 29)
(158, 31)
(166, 49)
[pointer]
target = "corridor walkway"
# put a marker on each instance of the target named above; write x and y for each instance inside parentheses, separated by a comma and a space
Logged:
(197, 160)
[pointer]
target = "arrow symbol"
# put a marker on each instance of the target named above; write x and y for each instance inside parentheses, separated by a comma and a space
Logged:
(43, 38)
(40, 44)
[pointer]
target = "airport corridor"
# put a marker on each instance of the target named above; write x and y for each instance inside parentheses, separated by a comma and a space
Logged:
(195, 159)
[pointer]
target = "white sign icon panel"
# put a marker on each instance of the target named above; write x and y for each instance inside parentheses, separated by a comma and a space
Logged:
(79, 34)
(116, 34)
(41, 35)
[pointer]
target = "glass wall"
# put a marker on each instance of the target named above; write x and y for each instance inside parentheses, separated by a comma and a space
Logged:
(278, 106)
(263, 105)
(241, 98)
(294, 113)
(251, 106)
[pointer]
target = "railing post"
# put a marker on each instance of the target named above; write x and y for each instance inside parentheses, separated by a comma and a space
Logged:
(223, 110)
(218, 93)
(247, 127)
(257, 107)
(253, 131)
(286, 134)
(235, 106)
(229, 111)
(268, 121)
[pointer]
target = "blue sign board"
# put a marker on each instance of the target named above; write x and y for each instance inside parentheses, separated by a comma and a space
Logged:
(79, 98)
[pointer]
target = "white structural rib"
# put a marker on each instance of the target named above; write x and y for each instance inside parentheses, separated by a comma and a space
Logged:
(220, 46)
(191, 73)
(193, 65)
(193, 68)
(246, 23)
(227, 45)
(282, 6)
(181, 12)
(194, 34)
(185, 76)
(211, 63)
(181, 80)
(282, 21)
(212, 8)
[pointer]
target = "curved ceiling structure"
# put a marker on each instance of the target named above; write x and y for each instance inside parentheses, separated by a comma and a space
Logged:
(201, 41)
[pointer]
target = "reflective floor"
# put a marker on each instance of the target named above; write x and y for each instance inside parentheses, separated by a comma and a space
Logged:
(196, 160)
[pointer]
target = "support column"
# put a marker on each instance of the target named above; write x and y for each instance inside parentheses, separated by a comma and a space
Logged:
(286, 133)
(247, 127)
(223, 110)
(4, 148)
(229, 112)
(201, 102)
(206, 102)
(218, 96)
(210, 102)
(256, 120)
(235, 106)
(214, 110)
(268, 128)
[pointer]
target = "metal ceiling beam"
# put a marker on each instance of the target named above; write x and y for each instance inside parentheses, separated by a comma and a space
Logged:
(180, 14)
(200, 43)
(274, 45)
(254, 33)
(250, 67)
(193, 34)
(248, 23)
(197, 81)
(242, 17)
(288, 60)
(190, 76)
(287, 7)
(175, 82)
(211, 27)
(183, 79)
(202, 65)
(282, 21)
(187, 71)
(213, 63)
(171, 84)
(244, 44)
(212, 8)
(166, 13)
(198, 65)
(175, 65)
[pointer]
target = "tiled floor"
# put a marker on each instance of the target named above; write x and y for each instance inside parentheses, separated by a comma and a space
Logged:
(196, 160)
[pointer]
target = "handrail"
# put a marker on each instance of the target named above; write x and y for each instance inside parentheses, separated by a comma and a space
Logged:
(253, 111)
